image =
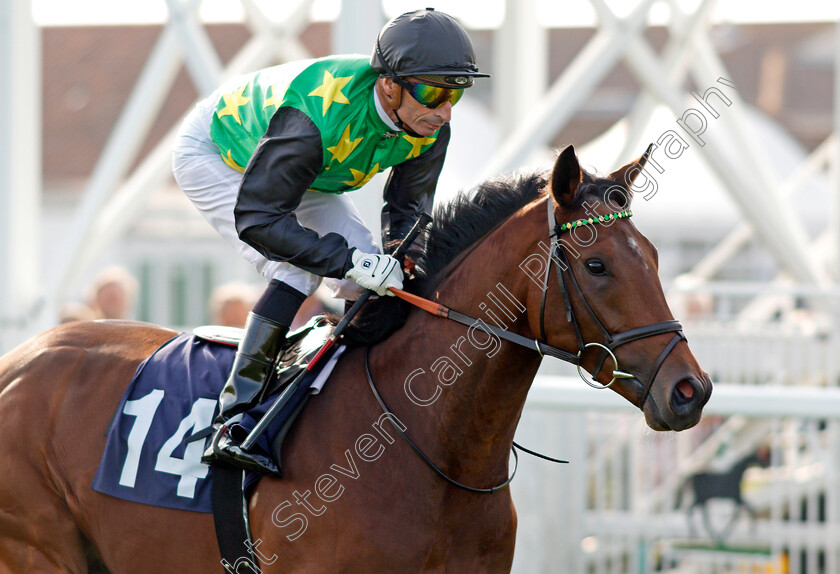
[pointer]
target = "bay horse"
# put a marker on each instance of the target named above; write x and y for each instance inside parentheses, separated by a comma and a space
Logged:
(354, 497)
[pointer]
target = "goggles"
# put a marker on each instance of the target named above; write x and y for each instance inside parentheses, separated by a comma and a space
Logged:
(431, 97)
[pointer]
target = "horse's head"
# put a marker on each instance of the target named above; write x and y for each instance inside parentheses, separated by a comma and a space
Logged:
(604, 289)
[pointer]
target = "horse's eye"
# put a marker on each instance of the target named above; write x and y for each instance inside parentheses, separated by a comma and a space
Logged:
(596, 267)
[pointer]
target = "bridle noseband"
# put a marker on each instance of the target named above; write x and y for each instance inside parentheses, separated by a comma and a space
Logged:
(560, 260)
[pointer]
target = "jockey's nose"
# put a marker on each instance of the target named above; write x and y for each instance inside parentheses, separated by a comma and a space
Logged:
(445, 111)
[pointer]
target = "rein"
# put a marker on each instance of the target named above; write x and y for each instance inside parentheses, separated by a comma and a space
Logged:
(432, 465)
(560, 260)
(439, 472)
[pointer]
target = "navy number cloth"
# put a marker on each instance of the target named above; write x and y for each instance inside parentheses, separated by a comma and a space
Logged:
(174, 393)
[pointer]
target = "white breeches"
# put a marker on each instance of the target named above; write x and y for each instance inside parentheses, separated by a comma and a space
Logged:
(212, 186)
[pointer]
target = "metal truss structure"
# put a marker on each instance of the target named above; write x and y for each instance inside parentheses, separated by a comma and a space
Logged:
(115, 193)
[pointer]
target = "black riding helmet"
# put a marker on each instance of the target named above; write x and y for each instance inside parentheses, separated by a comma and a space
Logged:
(426, 42)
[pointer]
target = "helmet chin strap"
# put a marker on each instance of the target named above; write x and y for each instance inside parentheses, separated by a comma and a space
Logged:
(401, 124)
(394, 101)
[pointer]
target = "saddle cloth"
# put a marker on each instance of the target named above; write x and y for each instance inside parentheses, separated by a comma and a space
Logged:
(173, 394)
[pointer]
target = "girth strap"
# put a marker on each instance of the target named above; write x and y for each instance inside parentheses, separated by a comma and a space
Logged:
(230, 516)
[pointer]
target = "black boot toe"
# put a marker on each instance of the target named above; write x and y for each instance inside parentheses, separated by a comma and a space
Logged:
(225, 450)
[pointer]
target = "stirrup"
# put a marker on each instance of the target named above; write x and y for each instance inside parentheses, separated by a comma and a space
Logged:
(224, 449)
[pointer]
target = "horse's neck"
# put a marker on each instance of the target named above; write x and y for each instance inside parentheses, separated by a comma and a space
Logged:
(480, 382)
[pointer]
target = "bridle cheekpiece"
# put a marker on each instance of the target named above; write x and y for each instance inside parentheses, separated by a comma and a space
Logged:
(560, 259)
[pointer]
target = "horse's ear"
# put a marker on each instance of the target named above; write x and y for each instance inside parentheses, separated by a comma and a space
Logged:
(627, 173)
(566, 176)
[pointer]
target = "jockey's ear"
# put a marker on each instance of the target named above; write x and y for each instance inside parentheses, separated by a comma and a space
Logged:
(391, 93)
(566, 177)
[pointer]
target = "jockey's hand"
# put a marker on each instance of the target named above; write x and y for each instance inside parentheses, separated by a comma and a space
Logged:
(376, 272)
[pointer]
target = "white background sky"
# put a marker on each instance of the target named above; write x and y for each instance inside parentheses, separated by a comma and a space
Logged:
(474, 13)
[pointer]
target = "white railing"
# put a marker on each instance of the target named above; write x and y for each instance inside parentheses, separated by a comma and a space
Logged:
(759, 353)
(758, 333)
(612, 510)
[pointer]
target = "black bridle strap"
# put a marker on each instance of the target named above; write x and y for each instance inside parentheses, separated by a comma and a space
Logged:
(640, 333)
(559, 258)
(539, 346)
(445, 312)
(543, 336)
(679, 336)
(419, 452)
(643, 332)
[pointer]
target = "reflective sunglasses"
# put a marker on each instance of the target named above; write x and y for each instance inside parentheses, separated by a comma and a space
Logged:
(431, 97)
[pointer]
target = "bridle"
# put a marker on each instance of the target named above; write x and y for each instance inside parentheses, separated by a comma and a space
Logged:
(558, 258)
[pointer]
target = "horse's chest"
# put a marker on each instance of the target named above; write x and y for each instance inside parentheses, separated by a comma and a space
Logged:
(478, 544)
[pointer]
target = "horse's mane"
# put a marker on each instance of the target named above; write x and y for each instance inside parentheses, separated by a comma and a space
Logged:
(456, 225)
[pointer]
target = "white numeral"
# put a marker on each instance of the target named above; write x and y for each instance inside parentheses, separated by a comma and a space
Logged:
(189, 468)
(144, 409)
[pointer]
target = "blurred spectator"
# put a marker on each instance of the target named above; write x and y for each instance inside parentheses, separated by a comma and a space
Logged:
(112, 293)
(231, 302)
(75, 311)
(313, 305)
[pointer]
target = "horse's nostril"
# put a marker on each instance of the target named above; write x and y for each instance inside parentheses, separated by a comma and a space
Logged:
(684, 395)
(685, 390)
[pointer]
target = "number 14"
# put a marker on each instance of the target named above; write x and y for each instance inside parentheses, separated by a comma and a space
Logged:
(189, 468)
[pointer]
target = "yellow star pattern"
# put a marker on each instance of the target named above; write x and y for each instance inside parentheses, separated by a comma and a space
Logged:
(345, 146)
(232, 104)
(360, 178)
(416, 144)
(277, 93)
(229, 161)
(330, 90)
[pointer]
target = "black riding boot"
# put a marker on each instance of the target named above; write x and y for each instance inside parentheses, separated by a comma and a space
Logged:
(262, 341)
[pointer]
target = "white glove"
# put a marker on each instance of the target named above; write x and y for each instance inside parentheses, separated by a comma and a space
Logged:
(376, 272)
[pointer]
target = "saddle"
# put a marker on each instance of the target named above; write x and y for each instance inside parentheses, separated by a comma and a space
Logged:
(299, 349)
(300, 346)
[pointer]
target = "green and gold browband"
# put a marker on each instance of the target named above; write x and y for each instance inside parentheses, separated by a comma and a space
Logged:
(600, 219)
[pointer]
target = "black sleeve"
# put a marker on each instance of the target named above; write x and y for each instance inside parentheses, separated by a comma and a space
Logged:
(283, 166)
(411, 188)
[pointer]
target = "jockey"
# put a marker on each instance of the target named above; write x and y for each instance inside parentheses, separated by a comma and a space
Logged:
(268, 157)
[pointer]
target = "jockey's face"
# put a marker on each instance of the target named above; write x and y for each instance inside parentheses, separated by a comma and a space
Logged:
(421, 119)
(415, 116)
